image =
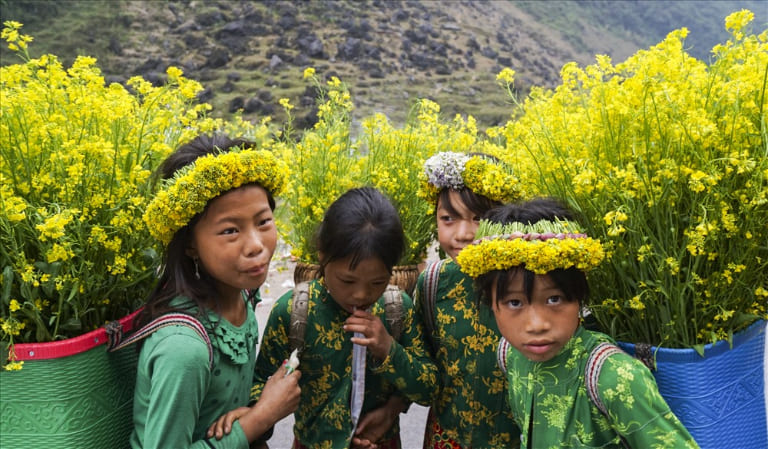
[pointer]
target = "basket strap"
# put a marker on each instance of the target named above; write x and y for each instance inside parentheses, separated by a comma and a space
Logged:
(393, 310)
(299, 311)
(116, 341)
(428, 304)
(595, 362)
(501, 354)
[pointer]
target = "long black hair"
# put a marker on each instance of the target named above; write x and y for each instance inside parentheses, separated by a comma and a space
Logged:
(178, 273)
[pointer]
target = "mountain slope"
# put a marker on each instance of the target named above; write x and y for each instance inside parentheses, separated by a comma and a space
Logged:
(249, 54)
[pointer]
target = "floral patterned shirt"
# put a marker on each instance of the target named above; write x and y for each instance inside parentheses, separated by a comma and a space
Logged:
(471, 406)
(550, 400)
(323, 419)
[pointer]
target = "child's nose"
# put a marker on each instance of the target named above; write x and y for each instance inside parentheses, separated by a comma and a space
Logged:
(537, 320)
(361, 296)
(466, 231)
(253, 243)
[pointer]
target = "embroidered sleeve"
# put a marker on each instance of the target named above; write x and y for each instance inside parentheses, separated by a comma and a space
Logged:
(408, 366)
(636, 409)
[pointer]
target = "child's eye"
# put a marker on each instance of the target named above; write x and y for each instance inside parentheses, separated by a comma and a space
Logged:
(446, 218)
(229, 231)
(266, 221)
(556, 299)
(512, 303)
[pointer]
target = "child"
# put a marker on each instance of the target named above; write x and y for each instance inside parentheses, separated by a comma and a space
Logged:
(214, 214)
(359, 241)
(471, 409)
(529, 265)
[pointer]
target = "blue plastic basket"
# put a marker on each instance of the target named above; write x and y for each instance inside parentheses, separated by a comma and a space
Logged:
(719, 397)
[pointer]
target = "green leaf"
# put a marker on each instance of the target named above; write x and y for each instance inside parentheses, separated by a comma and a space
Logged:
(7, 283)
(72, 324)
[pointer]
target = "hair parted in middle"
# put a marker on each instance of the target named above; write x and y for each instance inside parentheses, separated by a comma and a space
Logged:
(361, 223)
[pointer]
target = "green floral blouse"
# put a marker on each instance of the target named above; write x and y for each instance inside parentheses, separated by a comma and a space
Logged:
(178, 395)
(471, 405)
(550, 400)
(323, 419)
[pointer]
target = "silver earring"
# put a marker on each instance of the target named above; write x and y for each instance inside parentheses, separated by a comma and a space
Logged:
(197, 269)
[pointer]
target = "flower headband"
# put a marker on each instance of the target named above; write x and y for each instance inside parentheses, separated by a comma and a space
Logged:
(542, 247)
(482, 175)
(186, 194)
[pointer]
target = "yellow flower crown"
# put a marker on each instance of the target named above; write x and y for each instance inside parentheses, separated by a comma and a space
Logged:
(480, 174)
(541, 247)
(186, 194)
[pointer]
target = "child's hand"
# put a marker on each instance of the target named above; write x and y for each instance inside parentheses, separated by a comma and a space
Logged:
(362, 443)
(282, 391)
(374, 424)
(223, 425)
(279, 399)
(377, 339)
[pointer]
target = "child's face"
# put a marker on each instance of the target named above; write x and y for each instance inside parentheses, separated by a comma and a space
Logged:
(539, 326)
(455, 230)
(358, 288)
(235, 239)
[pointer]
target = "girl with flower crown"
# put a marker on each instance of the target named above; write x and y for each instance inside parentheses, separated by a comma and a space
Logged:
(214, 213)
(470, 409)
(568, 386)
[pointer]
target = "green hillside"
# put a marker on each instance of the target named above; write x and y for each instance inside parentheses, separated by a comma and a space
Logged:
(249, 54)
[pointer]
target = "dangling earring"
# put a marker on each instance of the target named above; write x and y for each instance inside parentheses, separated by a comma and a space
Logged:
(197, 269)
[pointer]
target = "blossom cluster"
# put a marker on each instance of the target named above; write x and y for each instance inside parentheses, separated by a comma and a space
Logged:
(328, 160)
(444, 170)
(483, 175)
(541, 247)
(191, 188)
(323, 162)
(76, 158)
(664, 157)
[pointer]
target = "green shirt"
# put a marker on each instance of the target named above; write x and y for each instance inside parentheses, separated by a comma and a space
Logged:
(471, 406)
(551, 400)
(177, 396)
(323, 419)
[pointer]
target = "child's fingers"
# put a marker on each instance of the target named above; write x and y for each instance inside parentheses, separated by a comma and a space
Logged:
(359, 328)
(217, 428)
(362, 341)
(367, 326)
(363, 315)
(358, 321)
(223, 425)
(280, 371)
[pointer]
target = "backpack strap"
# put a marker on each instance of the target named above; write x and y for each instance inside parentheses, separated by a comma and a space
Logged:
(595, 362)
(393, 310)
(115, 335)
(299, 310)
(501, 354)
(431, 278)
